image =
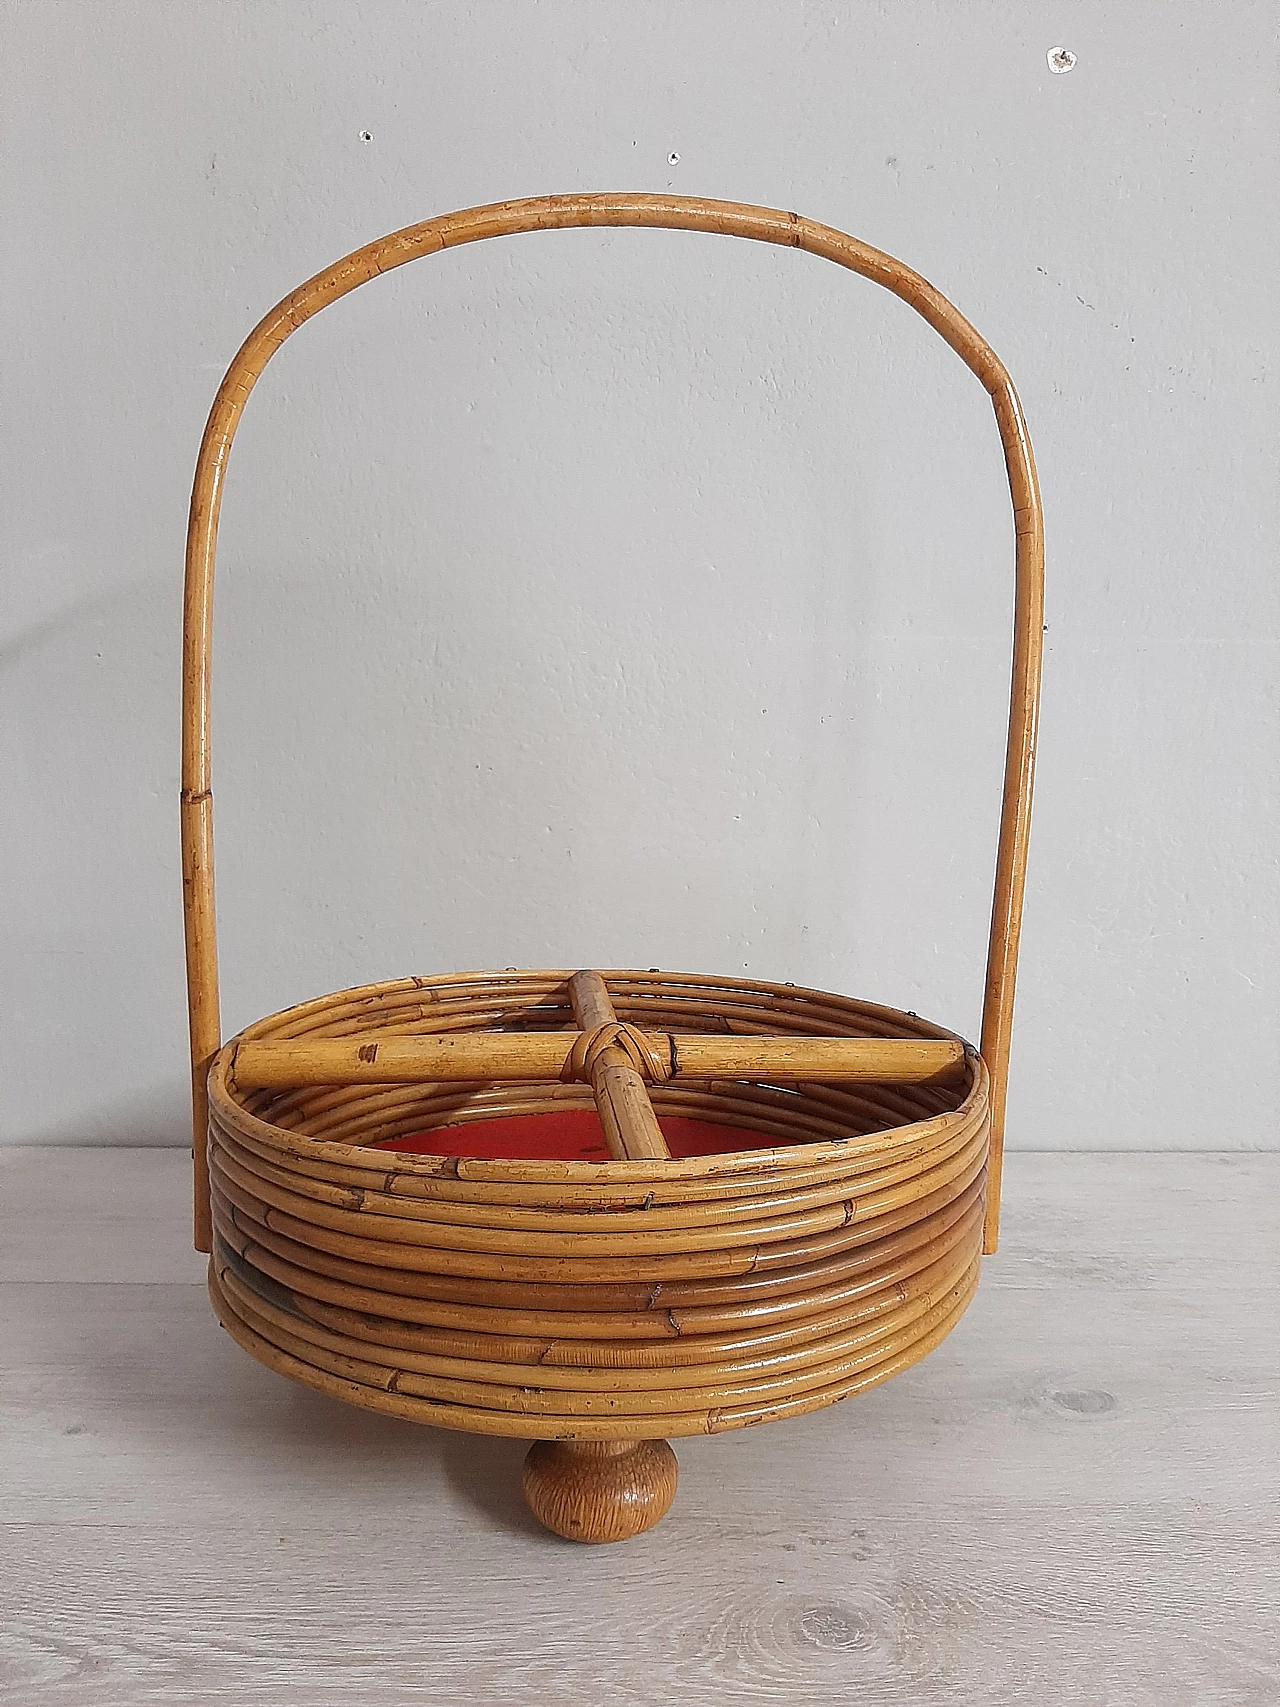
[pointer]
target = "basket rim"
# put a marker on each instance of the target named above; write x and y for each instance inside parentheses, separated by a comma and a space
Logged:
(773, 1159)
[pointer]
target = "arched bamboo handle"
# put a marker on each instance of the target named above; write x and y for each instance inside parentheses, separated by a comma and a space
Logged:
(735, 219)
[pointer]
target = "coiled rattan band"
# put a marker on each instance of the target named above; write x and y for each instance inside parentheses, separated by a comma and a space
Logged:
(583, 1300)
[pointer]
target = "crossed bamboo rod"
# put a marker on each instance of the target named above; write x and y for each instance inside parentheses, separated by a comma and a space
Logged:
(618, 1061)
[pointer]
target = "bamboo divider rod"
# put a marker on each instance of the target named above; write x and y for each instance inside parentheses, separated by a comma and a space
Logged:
(631, 1127)
(520, 1057)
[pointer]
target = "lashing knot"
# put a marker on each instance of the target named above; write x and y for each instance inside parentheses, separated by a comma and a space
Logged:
(651, 1064)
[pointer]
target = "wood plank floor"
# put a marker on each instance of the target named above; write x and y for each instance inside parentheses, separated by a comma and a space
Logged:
(1073, 1500)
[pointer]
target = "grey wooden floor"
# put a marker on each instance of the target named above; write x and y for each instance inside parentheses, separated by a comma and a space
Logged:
(1074, 1500)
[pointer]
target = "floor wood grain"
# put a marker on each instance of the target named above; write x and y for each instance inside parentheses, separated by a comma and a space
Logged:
(1073, 1500)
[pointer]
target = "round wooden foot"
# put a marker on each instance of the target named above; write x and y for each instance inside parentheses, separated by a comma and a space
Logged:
(600, 1490)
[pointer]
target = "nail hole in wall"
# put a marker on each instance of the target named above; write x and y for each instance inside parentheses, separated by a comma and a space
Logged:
(673, 159)
(366, 136)
(1060, 59)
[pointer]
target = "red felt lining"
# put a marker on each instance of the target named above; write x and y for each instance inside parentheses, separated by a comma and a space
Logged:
(572, 1136)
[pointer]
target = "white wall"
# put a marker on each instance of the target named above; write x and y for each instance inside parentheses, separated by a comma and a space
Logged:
(633, 598)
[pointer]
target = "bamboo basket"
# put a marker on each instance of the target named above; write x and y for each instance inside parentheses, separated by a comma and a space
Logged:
(381, 1223)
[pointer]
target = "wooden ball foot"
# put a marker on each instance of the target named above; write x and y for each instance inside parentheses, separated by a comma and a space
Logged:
(600, 1490)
